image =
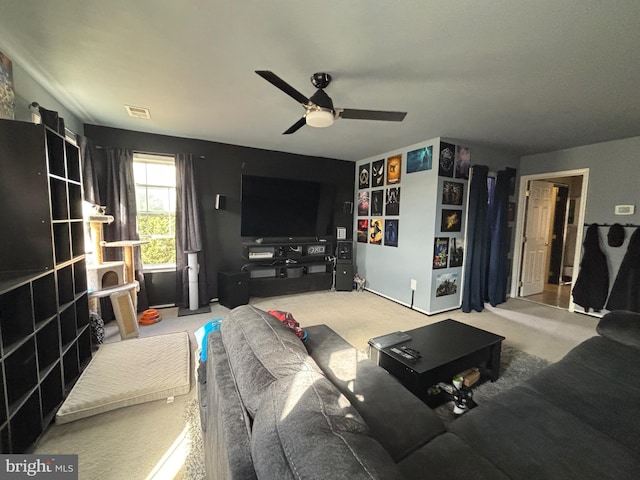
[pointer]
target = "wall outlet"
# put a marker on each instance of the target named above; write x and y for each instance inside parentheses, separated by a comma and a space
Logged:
(414, 284)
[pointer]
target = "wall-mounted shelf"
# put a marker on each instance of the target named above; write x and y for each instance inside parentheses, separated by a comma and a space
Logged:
(45, 340)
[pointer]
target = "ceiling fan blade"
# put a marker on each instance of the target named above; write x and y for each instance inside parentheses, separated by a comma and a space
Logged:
(276, 81)
(354, 114)
(296, 126)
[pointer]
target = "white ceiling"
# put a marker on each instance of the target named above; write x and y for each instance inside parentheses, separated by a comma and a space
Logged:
(522, 76)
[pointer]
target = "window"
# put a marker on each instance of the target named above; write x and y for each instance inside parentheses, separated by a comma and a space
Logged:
(155, 178)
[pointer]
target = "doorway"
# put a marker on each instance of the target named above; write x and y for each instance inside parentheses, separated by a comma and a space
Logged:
(549, 225)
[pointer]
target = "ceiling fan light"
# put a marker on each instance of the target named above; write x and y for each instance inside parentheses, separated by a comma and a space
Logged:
(319, 118)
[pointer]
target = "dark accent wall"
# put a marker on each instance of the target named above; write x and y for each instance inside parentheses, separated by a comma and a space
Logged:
(219, 168)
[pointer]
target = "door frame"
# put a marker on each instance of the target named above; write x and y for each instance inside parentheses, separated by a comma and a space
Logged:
(516, 268)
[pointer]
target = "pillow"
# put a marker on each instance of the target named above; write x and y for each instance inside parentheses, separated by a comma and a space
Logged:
(621, 326)
(305, 428)
(261, 350)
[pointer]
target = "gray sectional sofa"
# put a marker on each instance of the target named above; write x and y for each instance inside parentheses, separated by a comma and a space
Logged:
(270, 410)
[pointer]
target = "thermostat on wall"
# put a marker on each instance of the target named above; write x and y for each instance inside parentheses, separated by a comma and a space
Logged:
(625, 209)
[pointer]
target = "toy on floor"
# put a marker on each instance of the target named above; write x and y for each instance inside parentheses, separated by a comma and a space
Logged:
(149, 317)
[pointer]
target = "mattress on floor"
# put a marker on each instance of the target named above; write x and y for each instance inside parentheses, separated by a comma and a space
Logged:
(128, 373)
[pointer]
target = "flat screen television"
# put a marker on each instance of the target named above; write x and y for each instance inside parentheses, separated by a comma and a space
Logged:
(279, 207)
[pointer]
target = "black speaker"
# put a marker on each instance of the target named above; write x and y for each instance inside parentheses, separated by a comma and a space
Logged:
(344, 252)
(344, 277)
(233, 288)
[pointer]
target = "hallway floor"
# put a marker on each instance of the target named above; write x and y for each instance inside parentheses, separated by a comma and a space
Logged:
(553, 295)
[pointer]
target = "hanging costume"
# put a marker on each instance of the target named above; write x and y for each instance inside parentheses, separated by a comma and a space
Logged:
(592, 285)
(625, 294)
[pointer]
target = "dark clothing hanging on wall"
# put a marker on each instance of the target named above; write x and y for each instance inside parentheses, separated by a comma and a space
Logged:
(625, 294)
(592, 285)
(499, 253)
(475, 270)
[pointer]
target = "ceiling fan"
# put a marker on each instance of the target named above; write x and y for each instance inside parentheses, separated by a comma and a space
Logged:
(320, 111)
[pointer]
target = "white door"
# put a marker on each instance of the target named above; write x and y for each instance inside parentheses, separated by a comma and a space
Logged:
(536, 237)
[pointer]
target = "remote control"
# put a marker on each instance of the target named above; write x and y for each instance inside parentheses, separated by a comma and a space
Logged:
(402, 354)
(411, 351)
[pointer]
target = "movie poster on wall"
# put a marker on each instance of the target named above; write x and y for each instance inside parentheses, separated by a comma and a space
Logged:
(375, 231)
(462, 162)
(446, 284)
(391, 233)
(7, 92)
(451, 220)
(377, 173)
(456, 251)
(377, 202)
(363, 175)
(394, 166)
(420, 159)
(446, 159)
(363, 230)
(440, 252)
(392, 203)
(452, 193)
(363, 204)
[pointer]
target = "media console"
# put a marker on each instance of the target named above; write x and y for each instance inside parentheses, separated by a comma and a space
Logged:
(280, 268)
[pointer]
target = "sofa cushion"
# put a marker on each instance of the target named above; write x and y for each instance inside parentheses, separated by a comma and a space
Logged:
(448, 457)
(261, 350)
(623, 327)
(525, 436)
(596, 378)
(306, 429)
(398, 419)
(226, 429)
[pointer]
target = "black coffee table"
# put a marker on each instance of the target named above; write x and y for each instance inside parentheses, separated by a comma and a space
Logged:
(447, 348)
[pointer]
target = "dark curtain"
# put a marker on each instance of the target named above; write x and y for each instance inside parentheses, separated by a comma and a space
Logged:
(498, 271)
(189, 231)
(120, 201)
(90, 168)
(475, 270)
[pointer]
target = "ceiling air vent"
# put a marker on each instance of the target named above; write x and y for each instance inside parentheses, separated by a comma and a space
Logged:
(138, 112)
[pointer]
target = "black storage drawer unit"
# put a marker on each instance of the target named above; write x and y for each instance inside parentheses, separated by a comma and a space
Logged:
(233, 288)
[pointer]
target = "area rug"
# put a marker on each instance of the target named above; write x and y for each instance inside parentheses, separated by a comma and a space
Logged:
(516, 367)
(194, 462)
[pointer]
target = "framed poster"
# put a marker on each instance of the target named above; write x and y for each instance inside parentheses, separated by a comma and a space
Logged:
(392, 203)
(363, 230)
(363, 175)
(377, 173)
(456, 251)
(363, 203)
(377, 202)
(446, 284)
(452, 193)
(391, 233)
(394, 166)
(375, 231)
(451, 220)
(446, 159)
(7, 92)
(440, 252)
(421, 159)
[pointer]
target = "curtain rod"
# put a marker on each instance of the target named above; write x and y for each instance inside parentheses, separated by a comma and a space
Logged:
(630, 225)
(100, 147)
